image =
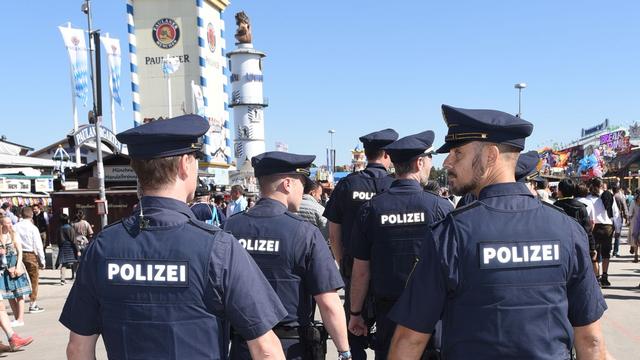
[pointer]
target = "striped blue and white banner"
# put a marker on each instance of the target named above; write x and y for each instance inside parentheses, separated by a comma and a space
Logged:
(114, 59)
(76, 46)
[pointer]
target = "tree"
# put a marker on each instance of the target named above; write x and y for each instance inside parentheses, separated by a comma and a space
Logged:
(439, 175)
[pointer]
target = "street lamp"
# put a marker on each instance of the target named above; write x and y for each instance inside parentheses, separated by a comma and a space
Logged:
(331, 132)
(96, 90)
(520, 86)
(332, 153)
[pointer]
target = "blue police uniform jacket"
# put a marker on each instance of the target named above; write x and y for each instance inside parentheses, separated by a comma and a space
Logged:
(350, 193)
(510, 275)
(291, 253)
(162, 291)
(390, 230)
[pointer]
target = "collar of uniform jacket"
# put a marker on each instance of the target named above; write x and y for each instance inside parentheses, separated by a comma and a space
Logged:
(267, 207)
(162, 211)
(376, 166)
(405, 185)
(504, 189)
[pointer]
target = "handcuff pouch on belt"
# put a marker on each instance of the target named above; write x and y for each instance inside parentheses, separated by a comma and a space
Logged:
(314, 338)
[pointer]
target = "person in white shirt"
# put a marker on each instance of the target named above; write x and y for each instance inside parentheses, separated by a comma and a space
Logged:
(606, 213)
(32, 253)
(582, 191)
(238, 202)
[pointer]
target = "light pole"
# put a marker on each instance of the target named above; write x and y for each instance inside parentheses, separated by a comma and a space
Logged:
(96, 87)
(332, 152)
(520, 86)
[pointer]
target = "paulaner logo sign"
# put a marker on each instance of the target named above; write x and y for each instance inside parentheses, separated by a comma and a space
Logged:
(165, 33)
(88, 133)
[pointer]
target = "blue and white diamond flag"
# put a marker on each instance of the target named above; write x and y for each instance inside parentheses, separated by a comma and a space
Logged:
(170, 64)
(76, 46)
(114, 58)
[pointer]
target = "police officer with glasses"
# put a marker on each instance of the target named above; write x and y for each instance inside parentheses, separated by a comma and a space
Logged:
(510, 276)
(295, 258)
(159, 283)
(388, 234)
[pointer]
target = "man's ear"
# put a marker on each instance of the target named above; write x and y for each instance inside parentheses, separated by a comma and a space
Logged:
(287, 184)
(418, 164)
(492, 154)
(184, 166)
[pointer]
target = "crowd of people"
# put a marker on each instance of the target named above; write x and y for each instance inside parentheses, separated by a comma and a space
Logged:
(26, 234)
(407, 252)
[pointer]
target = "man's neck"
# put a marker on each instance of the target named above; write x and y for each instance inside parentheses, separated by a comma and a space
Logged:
(410, 176)
(277, 196)
(167, 193)
(496, 178)
(377, 162)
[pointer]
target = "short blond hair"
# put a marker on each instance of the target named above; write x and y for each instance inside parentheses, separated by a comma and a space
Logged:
(156, 173)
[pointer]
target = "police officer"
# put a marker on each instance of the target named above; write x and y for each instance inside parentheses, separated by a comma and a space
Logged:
(510, 276)
(202, 208)
(388, 234)
(350, 193)
(295, 258)
(525, 168)
(156, 284)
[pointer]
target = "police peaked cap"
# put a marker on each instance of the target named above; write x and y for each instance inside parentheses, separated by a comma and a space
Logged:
(278, 162)
(466, 125)
(378, 139)
(411, 146)
(527, 165)
(164, 138)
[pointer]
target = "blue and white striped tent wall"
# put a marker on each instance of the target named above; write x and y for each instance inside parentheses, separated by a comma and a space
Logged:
(133, 60)
(135, 88)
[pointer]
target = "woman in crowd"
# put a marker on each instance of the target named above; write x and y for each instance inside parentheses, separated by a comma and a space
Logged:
(68, 252)
(83, 231)
(15, 282)
(16, 287)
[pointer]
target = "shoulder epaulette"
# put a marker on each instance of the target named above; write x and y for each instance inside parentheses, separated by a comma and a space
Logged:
(112, 224)
(232, 215)
(455, 212)
(295, 216)
(204, 226)
(469, 206)
(557, 208)
(353, 174)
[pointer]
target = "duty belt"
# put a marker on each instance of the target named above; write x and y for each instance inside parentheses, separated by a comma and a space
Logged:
(286, 332)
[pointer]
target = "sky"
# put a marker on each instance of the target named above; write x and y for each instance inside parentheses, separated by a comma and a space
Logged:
(360, 66)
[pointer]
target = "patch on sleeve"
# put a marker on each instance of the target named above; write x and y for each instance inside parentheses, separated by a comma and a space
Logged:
(174, 273)
(507, 255)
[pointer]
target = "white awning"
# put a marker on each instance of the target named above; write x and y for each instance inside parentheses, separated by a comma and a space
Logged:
(12, 160)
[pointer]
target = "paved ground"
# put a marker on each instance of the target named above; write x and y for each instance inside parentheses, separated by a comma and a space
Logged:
(621, 322)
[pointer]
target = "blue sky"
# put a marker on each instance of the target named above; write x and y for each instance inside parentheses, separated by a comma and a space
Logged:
(359, 66)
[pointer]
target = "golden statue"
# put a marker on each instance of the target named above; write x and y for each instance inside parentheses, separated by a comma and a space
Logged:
(243, 33)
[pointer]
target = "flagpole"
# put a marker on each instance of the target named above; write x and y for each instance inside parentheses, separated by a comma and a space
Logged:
(193, 99)
(113, 115)
(169, 90)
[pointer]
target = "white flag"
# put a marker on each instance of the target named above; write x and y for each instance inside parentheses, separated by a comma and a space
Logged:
(170, 64)
(75, 43)
(114, 58)
(198, 99)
